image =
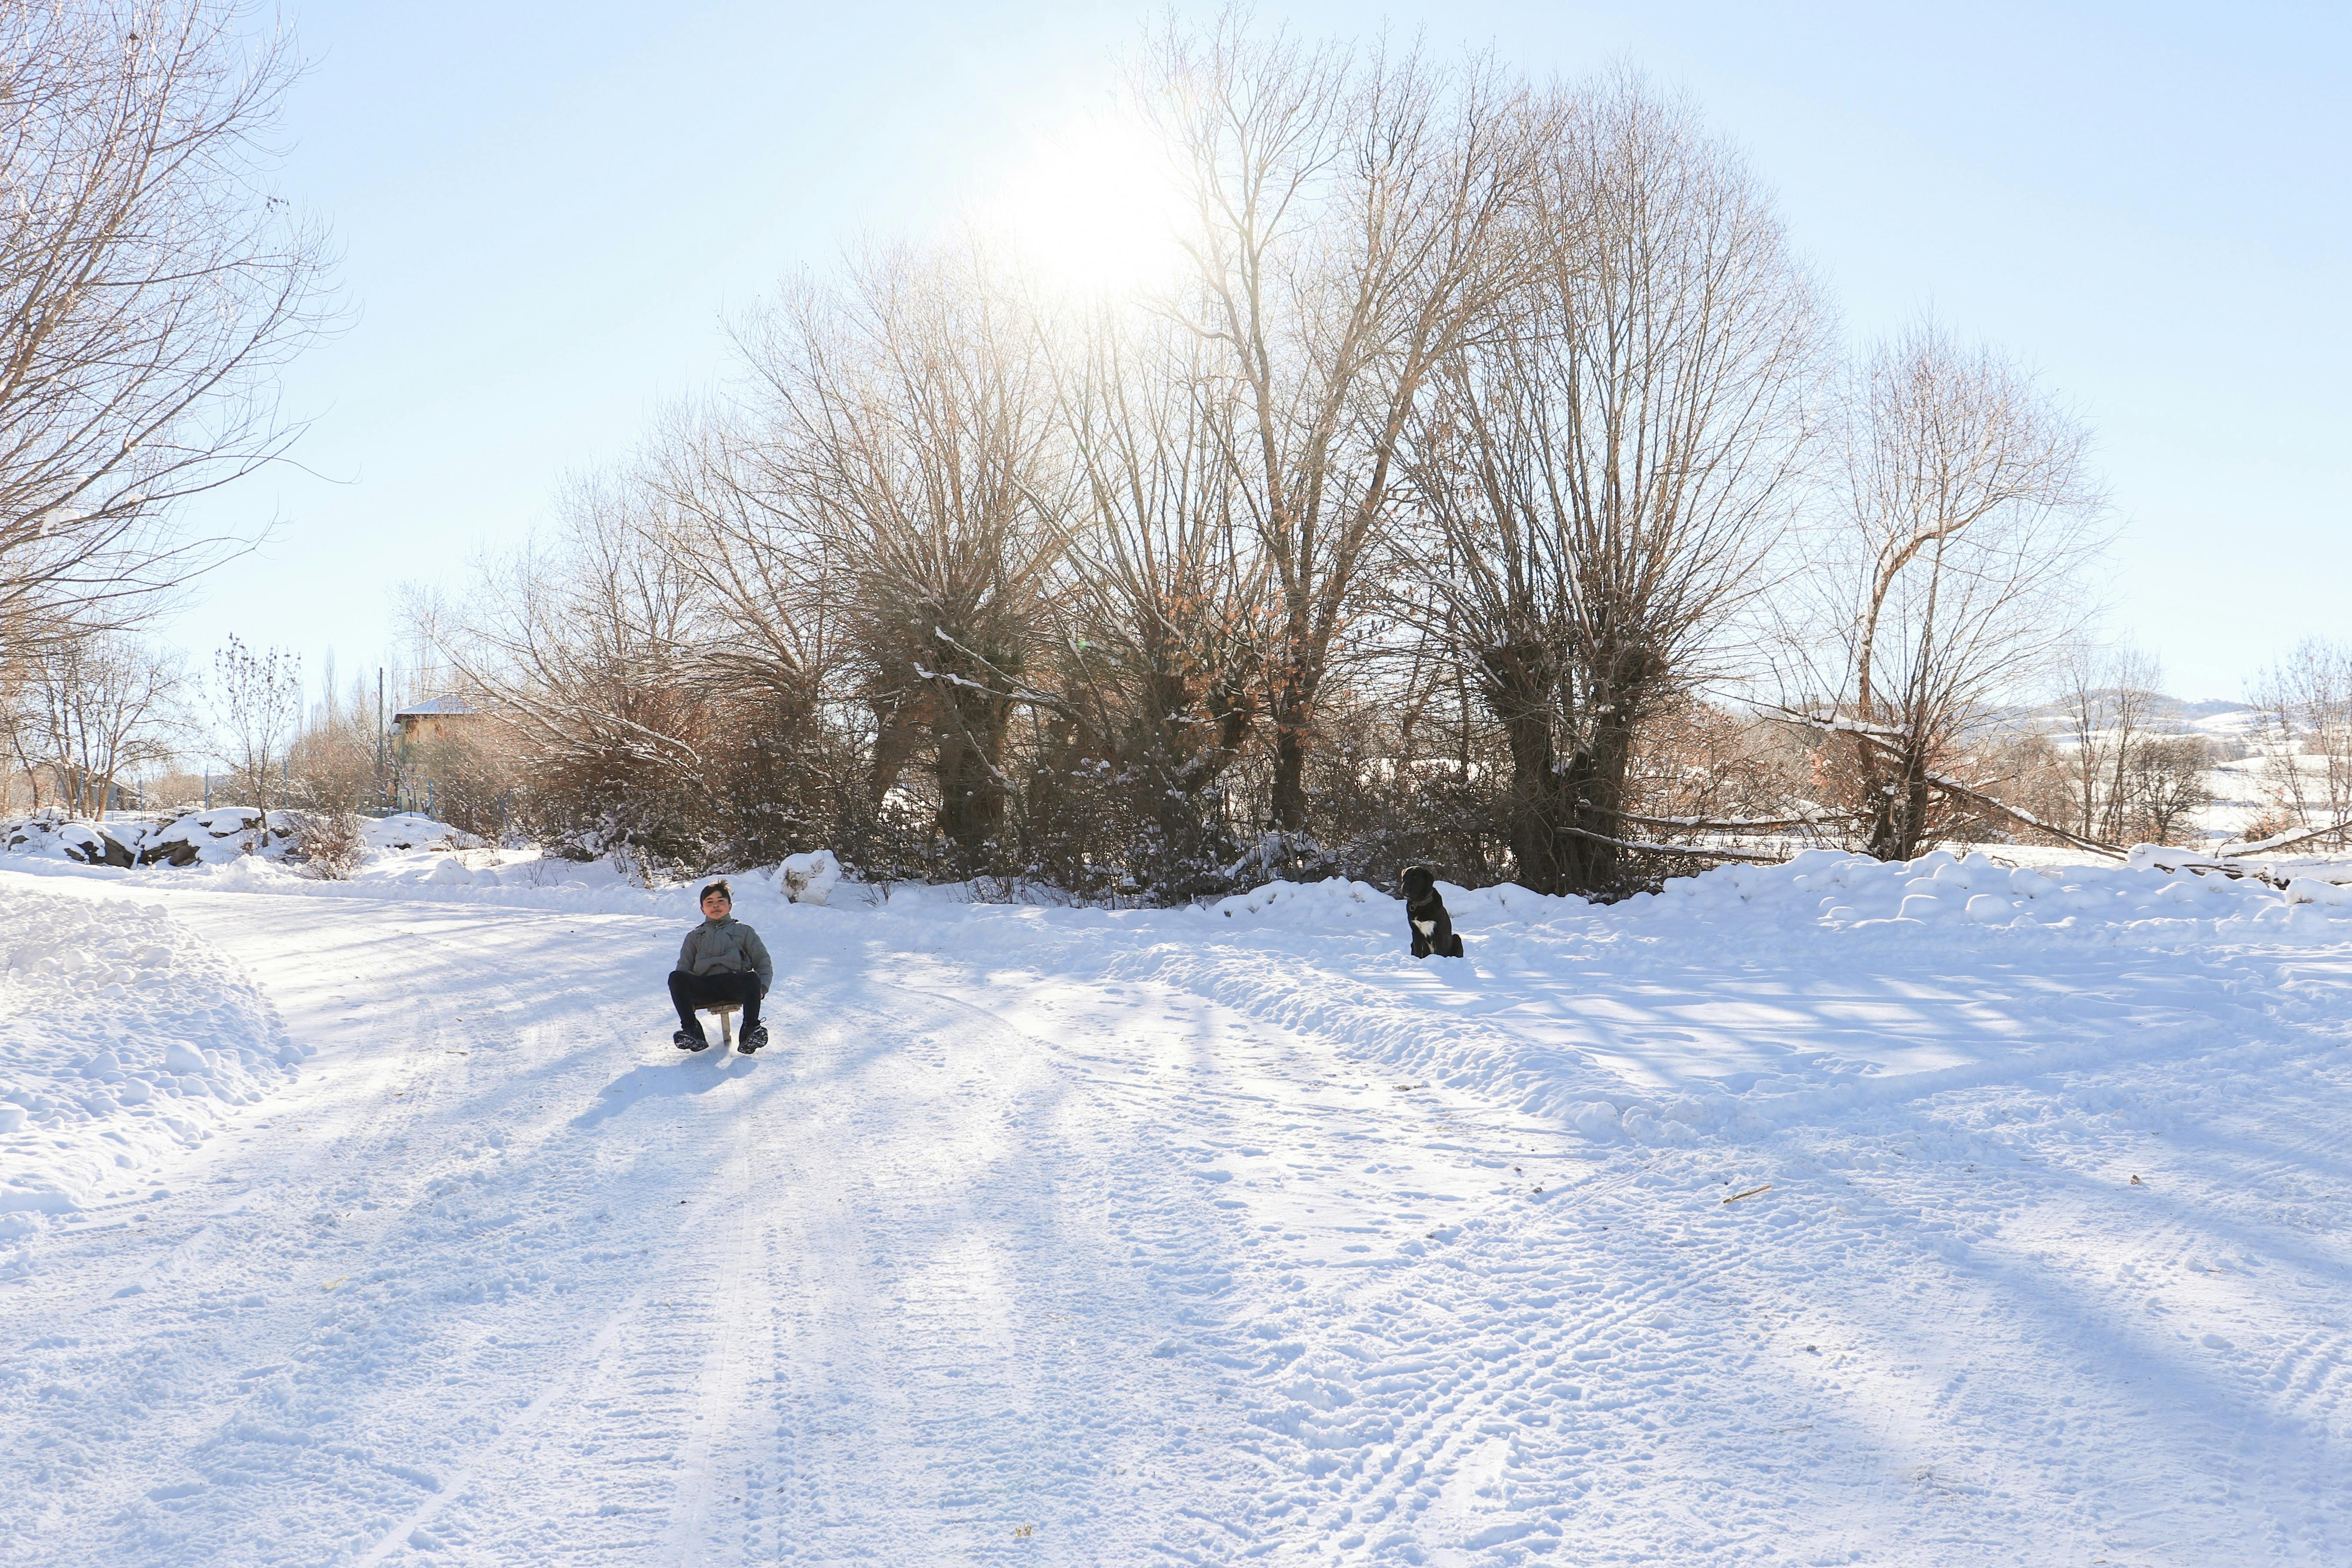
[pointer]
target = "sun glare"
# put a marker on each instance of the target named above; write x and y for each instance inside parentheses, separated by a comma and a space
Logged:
(1092, 209)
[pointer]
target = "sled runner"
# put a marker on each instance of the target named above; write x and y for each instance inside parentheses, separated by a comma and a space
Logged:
(725, 1012)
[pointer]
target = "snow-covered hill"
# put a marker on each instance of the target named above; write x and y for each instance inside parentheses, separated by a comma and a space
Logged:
(1832, 1213)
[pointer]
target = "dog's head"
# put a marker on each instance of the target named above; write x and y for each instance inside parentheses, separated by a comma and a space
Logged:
(1420, 884)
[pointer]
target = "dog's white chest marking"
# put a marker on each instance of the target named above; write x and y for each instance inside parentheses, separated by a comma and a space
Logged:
(1424, 927)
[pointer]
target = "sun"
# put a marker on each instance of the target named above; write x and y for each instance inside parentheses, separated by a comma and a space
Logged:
(1094, 208)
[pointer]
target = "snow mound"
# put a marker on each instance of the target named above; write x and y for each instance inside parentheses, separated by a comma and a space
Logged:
(217, 836)
(1832, 889)
(1311, 905)
(123, 1040)
(808, 878)
(81, 843)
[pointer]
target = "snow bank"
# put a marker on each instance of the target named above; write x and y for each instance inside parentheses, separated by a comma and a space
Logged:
(1820, 891)
(1830, 890)
(413, 830)
(123, 1039)
(1852, 890)
(1730, 1003)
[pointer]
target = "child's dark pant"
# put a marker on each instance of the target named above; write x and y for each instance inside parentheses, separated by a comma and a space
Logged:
(692, 991)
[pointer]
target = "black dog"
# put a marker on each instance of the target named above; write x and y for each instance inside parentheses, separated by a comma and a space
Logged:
(1424, 913)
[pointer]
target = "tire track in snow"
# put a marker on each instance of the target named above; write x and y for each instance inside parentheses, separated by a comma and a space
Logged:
(738, 1245)
(326, 1351)
(1103, 1398)
(250, 1261)
(619, 1446)
(406, 1533)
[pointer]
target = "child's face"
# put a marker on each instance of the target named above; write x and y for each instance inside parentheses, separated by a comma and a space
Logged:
(715, 907)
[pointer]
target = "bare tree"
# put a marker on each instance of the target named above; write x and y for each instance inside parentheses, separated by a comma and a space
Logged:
(2108, 710)
(104, 705)
(1349, 231)
(21, 729)
(2303, 732)
(1161, 641)
(581, 649)
(257, 711)
(1952, 576)
(150, 286)
(907, 419)
(1605, 474)
(2166, 785)
(772, 596)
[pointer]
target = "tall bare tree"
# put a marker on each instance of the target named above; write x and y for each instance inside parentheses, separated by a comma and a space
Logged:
(1159, 663)
(1605, 473)
(1952, 576)
(772, 599)
(581, 648)
(907, 419)
(1349, 228)
(150, 286)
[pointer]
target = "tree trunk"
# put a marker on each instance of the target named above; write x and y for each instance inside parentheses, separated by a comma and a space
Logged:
(1289, 805)
(972, 791)
(1594, 781)
(1521, 690)
(1536, 843)
(1899, 823)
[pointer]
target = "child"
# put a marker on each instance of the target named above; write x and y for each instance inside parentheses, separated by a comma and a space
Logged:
(722, 960)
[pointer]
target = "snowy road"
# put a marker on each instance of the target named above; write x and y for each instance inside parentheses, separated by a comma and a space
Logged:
(1058, 1237)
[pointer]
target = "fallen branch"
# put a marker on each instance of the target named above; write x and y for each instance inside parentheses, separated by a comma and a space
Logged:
(1749, 1194)
(1741, 824)
(1887, 737)
(1692, 850)
(2281, 840)
(2174, 861)
(1953, 786)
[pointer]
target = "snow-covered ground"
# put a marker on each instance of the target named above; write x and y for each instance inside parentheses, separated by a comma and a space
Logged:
(1832, 1213)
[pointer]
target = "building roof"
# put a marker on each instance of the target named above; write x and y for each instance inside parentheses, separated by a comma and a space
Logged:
(436, 708)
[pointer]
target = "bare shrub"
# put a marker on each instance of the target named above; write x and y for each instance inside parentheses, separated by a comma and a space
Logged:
(333, 766)
(331, 843)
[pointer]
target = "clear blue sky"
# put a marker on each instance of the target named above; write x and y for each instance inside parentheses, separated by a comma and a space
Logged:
(544, 210)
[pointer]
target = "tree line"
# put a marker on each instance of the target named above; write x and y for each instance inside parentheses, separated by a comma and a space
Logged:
(1492, 487)
(1491, 490)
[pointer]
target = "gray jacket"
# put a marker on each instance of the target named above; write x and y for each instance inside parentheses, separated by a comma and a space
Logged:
(726, 947)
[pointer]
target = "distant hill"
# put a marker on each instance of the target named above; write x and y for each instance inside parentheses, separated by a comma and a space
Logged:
(2212, 706)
